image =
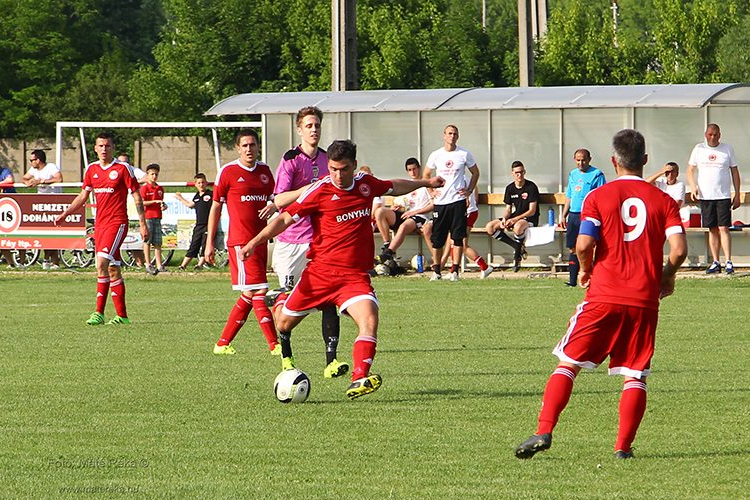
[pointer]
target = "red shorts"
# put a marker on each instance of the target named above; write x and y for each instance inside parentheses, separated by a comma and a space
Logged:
(471, 219)
(248, 274)
(624, 333)
(318, 288)
(107, 242)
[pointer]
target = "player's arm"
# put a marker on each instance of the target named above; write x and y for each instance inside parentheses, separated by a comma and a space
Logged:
(283, 200)
(214, 217)
(652, 178)
(736, 181)
(691, 181)
(528, 213)
(8, 181)
(77, 202)
(677, 254)
(276, 226)
(403, 186)
(29, 180)
(138, 200)
(585, 245)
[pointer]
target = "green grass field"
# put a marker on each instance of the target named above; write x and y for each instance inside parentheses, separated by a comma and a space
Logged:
(147, 411)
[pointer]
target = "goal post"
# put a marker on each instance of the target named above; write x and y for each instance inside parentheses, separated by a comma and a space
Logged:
(214, 126)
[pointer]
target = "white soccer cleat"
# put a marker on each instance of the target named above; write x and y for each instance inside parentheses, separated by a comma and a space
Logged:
(486, 272)
(453, 276)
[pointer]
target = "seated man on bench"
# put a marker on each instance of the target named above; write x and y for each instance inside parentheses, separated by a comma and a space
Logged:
(403, 218)
(521, 212)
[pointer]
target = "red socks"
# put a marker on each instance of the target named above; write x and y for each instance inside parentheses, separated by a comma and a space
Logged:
(117, 288)
(236, 319)
(102, 290)
(480, 262)
(265, 319)
(632, 409)
(362, 355)
(556, 397)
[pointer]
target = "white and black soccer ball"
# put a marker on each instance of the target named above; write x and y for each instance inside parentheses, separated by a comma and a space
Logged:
(291, 386)
(382, 270)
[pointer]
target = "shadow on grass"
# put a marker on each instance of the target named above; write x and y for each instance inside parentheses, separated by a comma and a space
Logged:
(696, 454)
(466, 348)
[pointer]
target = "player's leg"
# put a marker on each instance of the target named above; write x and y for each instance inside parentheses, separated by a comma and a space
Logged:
(117, 291)
(440, 229)
(457, 214)
(407, 227)
(632, 407)
(331, 327)
(724, 214)
(102, 290)
(158, 258)
(364, 312)
(519, 234)
(107, 241)
(384, 219)
(286, 321)
(237, 317)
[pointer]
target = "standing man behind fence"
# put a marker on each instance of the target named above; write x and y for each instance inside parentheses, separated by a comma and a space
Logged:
(581, 181)
(110, 181)
(716, 168)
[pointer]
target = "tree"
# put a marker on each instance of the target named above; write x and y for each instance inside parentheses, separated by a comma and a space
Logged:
(732, 56)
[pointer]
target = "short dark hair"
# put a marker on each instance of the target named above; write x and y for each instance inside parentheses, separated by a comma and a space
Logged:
(629, 149)
(200, 175)
(126, 156)
(342, 150)
(153, 166)
(411, 161)
(674, 165)
(40, 155)
(246, 132)
(307, 111)
(516, 164)
(105, 135)
(584, 151)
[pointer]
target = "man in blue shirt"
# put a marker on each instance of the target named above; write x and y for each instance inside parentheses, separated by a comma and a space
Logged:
(581, 181)
(6, 181)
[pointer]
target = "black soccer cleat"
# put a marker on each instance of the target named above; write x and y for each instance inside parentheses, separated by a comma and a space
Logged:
(533, 445)
(623, 455)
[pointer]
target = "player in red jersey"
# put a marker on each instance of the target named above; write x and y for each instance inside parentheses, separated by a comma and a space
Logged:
(625, 223)
(110, 181)
(246, 187)
(341, 253)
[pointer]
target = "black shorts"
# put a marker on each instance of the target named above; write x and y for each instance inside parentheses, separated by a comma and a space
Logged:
(419, 220)
(198, 243)
(398, 221)
(449, 219)
(574, 226)
(716, 213)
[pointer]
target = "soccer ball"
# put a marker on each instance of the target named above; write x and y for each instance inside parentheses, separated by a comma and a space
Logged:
(291, 386)
(382, 270)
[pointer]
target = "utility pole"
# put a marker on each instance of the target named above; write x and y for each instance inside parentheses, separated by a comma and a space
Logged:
(344, 45)
(532, 26)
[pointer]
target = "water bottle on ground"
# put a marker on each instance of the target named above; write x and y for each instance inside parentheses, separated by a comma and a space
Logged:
(551, 216)
(420, 263)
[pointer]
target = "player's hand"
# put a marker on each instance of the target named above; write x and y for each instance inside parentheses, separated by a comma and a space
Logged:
(736, 202)
(694, 193)
(436, 182)
(58, 219)
(209, 253)
(247, 251)
(666, 287)
(585, 279)
(144, 233)
(564, 222)
(267, 211)
(163, 206)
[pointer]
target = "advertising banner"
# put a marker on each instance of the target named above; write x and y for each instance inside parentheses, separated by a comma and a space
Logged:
(27, 222)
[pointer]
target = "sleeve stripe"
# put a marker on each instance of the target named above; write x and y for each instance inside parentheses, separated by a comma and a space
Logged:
(674, 230)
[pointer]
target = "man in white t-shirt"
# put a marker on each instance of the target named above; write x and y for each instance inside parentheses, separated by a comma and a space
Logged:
(450, 162)
(43, 176)
(717, 172)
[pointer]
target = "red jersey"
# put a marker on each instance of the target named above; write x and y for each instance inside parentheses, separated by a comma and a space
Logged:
(150, 193)
(634, 219)
(245, 191)
(342, 234)
(111, 185)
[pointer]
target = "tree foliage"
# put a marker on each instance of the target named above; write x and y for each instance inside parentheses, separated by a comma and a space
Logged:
(173, 59)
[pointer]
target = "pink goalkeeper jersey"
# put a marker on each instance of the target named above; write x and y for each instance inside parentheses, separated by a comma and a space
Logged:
(245, 191)
(111, 185)
(634, 219)
(296, 170)
(343, 238)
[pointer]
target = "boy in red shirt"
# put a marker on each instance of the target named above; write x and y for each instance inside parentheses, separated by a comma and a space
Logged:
(153, 204)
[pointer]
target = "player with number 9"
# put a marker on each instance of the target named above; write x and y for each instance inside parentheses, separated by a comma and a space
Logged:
(625, 223)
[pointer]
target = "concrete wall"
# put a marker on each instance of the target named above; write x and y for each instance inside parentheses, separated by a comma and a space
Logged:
(180, 158)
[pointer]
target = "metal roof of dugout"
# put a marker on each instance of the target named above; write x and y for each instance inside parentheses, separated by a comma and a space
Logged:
(625, 96)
